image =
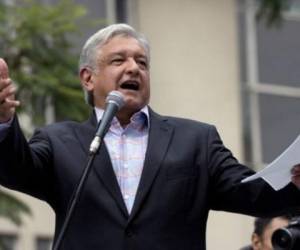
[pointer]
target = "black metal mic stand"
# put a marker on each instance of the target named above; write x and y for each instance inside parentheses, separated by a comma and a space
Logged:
(114, 101)
(76, 194)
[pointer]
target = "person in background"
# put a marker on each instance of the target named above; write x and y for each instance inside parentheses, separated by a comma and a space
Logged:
(263, 231)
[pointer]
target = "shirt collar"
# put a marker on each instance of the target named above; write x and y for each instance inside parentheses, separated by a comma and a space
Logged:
(145, 110)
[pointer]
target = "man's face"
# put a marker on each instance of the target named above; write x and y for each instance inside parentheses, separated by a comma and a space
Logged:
(122, 65)
(264, 242)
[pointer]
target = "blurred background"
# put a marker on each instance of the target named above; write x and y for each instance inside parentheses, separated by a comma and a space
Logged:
(232, 63)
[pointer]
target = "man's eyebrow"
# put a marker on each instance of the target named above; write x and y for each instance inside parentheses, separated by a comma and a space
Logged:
(122, 53)
(142, 55)
(118, 53)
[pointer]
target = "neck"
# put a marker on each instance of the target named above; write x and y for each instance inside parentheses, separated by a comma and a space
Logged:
(124, 117)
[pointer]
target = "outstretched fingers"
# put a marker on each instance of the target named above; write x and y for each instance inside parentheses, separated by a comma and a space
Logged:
(8, 90)
(8, 103)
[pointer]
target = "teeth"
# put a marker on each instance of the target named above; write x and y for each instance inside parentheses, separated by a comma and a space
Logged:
(132, 85)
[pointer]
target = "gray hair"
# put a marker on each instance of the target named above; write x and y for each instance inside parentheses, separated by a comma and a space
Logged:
(88, 56)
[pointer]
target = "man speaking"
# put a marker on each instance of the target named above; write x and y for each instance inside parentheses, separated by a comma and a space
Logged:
(154, 179)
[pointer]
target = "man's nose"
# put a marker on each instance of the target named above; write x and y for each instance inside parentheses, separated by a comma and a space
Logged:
(132, 66)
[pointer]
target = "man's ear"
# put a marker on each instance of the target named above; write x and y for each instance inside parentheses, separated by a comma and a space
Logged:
(86, 79)
(256, 242)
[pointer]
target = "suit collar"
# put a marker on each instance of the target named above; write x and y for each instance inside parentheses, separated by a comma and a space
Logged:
(102, 165)
(160, 135)
(145, 111)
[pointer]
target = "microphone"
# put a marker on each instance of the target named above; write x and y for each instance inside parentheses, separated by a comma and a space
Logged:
(114, 102)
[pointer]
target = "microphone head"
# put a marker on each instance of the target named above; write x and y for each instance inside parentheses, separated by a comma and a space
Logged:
(115, 97)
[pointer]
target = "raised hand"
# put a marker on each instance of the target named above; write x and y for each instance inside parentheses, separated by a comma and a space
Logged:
(8, 103)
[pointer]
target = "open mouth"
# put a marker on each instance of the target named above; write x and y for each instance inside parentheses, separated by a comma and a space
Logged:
(130, 85)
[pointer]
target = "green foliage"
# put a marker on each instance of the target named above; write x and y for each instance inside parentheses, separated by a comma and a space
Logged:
(12, 208)
(36, 42)
(270, 11)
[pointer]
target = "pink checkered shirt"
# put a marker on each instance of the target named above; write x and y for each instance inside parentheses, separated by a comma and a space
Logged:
(127, 148)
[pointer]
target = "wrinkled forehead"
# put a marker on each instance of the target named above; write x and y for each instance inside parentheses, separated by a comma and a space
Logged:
(112, 39)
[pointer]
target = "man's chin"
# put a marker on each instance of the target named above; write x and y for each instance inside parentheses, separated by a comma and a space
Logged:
(133, 107)
(134, 102)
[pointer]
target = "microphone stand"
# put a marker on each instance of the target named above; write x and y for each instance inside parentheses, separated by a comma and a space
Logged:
(114, 101)
(95, 145)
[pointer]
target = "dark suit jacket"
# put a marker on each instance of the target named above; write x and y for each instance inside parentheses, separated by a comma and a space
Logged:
(247, 248)
(187, 172)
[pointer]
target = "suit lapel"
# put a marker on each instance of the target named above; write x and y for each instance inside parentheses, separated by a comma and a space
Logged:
(85, 133)
(104, 169)
(159, 137)
(102, 165)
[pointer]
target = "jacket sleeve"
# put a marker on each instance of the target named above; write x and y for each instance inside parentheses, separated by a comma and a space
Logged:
(25, 167)
(4, 128)
(254, 198)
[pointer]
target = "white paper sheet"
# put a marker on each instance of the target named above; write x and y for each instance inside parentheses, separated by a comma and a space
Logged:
(278, 172)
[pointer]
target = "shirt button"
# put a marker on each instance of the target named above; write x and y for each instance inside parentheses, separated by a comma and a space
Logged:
(126, 196)
(129, 233)
(126, 165)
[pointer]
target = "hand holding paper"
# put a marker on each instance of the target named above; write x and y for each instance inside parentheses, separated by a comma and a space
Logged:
(278, 173)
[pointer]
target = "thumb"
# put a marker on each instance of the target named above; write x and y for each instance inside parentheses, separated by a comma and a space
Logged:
(3, 69)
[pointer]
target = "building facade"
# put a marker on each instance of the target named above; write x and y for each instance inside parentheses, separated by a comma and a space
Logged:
(210, 61)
